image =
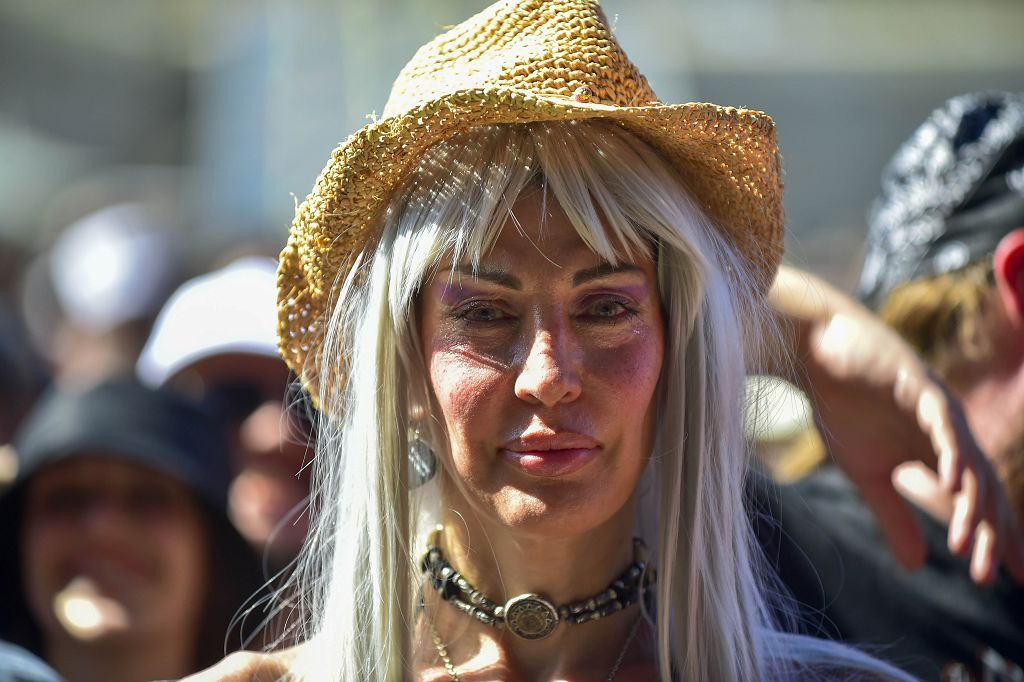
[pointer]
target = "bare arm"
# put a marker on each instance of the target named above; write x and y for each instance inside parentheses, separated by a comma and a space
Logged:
(877, 406)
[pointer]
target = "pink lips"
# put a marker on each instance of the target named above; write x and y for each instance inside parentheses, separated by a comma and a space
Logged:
(550, 455)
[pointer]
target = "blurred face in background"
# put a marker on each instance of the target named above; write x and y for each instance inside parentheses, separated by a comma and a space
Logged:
(269, 443)
(112, 549)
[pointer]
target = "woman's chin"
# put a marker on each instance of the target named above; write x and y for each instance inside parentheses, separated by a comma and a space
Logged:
(554, 511)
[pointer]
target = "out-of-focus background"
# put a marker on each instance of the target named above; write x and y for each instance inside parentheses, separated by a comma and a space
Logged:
(222, 113)
(151, 155)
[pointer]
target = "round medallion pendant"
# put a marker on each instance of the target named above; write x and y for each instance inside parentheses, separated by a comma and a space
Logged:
(530, 616)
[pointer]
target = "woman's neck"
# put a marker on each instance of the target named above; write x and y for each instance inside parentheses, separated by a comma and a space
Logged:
(502, 563)
(562, 569)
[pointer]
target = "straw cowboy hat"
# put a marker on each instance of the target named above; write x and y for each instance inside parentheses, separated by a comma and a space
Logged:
(519, 62)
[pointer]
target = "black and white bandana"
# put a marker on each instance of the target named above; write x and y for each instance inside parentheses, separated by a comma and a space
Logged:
(949, 194)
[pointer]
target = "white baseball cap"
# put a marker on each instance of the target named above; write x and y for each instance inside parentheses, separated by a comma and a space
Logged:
(231, 310)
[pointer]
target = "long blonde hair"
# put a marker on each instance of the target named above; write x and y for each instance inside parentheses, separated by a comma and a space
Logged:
(356, 580)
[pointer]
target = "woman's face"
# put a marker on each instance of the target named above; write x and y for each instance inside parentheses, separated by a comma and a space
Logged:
(111, 549)
(545, 365)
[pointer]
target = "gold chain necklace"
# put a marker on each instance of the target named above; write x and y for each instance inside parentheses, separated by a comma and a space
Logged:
(442, 650)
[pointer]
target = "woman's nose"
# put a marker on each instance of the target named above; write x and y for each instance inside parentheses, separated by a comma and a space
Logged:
(549, 374)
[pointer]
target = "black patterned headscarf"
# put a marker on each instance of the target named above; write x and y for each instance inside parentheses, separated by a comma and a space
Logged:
(951, 192)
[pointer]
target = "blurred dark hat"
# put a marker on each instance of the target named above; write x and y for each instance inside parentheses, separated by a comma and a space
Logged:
(952, 191)
(123, 419)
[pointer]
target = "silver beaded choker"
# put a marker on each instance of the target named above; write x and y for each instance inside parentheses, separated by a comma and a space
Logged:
(532, 616)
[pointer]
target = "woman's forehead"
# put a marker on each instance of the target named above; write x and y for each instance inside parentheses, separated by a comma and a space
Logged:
(537, 217)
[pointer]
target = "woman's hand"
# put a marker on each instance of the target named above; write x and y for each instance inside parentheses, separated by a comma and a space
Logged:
(877, 407)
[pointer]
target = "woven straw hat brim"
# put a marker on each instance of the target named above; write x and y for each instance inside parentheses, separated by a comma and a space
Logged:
(727, 157)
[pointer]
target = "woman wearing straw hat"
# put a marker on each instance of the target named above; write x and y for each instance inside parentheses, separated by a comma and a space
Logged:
(525, 301)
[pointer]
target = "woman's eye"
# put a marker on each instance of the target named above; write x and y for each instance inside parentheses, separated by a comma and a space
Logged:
(481, 312)
(607, 309)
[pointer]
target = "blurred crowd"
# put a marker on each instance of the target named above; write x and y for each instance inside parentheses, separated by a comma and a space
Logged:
(153, 472)
(154, 449)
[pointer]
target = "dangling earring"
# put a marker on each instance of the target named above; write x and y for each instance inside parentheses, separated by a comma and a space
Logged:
(422, 461)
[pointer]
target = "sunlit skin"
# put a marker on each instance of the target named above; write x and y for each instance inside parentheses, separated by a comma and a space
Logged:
(137, 538)
(544, 364)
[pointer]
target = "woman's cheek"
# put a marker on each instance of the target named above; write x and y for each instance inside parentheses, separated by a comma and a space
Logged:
(462, 388)
(633, 365)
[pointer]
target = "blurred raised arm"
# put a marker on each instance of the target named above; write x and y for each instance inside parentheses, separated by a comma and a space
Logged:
(878, 406)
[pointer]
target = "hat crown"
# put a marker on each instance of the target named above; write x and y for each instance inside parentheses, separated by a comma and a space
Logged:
(545, 47)
(518, 62)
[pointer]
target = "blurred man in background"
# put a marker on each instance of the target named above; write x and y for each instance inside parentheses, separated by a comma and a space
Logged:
(216, 340)
(116, 555)
(945, 263)
(945, 269)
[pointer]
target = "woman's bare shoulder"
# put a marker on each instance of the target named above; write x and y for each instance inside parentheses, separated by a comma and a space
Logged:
(247, 666)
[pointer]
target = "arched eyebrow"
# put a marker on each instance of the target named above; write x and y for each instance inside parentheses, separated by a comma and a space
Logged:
(494, 275)
(506, 279)
(603, 270)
